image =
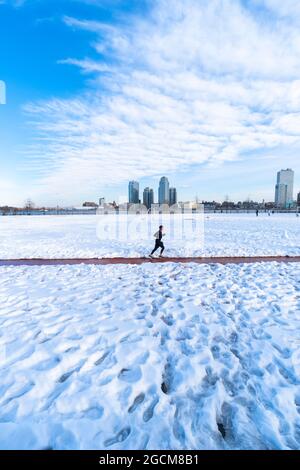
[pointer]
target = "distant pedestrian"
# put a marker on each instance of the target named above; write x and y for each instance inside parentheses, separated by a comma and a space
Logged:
(256, 212)
(158, 242)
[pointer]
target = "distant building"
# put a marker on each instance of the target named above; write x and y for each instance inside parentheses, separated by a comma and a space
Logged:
(133, 192)
(284, 189)
(89, 204)
(148, 197)
(101, 201)
(298, 199)
(164, 191)
(173, 196)
(155, 208)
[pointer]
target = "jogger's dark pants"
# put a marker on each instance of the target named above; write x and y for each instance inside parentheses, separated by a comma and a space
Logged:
(158, 244)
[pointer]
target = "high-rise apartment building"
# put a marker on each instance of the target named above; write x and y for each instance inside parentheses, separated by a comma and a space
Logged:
(133, 192)
(284, 189)
(164, 191)
(173, 196)
(148, 197)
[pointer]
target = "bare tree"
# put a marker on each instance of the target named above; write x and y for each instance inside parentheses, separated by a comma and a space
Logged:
(29, 204)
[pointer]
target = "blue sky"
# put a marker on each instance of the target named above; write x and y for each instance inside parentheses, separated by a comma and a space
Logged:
(103, 91)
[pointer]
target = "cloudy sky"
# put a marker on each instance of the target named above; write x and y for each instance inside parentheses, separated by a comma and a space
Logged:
(206, 92)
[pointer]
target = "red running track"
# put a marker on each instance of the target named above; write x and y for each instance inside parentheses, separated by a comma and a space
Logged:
(107, 261)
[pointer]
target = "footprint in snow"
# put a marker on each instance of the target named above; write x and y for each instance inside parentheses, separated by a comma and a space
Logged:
(102, 358)
(25, 388)
(137, 401)
(144, 442)
(215, 350)
(94, 413)
(68, 374)
(225, 422)
(130, 375)
(168, 320)
(178, 429)
(47, 364)
(168, 377)
(284, 352)
(148, 414)
(120, 437)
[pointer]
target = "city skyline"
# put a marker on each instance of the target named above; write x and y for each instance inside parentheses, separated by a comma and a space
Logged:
(284, 193)
(165, 193)
(113, 91)
(285, 197)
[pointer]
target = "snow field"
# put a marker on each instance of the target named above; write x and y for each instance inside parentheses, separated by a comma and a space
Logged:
(76, 237)
(150, 357)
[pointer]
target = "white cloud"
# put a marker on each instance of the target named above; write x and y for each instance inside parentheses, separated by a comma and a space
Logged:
(286, 9)
(196, 82)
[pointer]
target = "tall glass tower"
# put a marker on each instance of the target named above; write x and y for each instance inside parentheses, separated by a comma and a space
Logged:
(148, 197)
(133, 192)
(173, 196)
(164, 191)
(284, 190)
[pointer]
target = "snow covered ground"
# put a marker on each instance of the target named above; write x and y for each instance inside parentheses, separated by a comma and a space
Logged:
(76, 236)
(152, 356)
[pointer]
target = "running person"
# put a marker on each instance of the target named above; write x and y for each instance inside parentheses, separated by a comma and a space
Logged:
(158, 242)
